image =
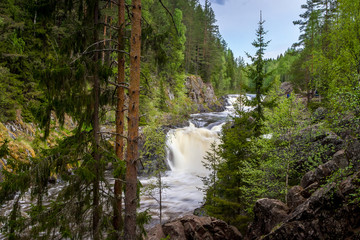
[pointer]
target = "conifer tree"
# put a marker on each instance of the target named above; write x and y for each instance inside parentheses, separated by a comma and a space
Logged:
(237, 173)
(132, 156)
(120, 113)
(257, 74)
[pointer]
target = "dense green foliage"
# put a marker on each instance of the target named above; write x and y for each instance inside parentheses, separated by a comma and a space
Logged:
(38, 36)
(57, 60)
(231, 195)
(323, 68)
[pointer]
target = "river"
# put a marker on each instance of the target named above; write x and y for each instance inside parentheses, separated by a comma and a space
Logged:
(186, 148)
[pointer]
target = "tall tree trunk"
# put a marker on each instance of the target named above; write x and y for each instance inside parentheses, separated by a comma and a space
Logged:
(96, 129)
(119, 149)
(133, 124)
(105, 31)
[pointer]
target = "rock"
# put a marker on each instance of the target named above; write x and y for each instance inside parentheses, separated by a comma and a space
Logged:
(309, 190)
(322, 171)
(319, 114)
(294, 197)
(286, 88)
(308, 178)
(195, 228)
(202, 94)
(353, 152)
(325, 170)
(340, 159)
(155, 233)
(175, 230)
(268, 213)
(330, 213)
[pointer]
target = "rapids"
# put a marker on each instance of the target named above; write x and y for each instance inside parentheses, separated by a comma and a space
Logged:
(186, 148)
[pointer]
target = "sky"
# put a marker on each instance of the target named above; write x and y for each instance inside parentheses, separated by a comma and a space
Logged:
(238, 21)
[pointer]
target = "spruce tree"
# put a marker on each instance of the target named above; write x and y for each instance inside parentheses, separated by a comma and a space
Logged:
(232, 196)
(257, 74)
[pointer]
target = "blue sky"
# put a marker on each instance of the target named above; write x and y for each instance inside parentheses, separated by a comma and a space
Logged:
(238, 20)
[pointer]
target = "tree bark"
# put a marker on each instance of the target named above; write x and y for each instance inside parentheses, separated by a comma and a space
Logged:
(120, 113)
(105, 31)
(133, 124)
(96, 129)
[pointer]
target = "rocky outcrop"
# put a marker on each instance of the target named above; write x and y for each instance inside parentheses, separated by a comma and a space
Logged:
(20, 137)
(268, 213)
(318, 209)
(202, 94)
(332, 212)
(286, 88)
(295, 197)
(194, 228)
(353, 152)
(321, 172)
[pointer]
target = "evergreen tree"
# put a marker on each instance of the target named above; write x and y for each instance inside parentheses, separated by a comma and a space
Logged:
(133, 124)
(237, 175)
(309, 39)
(120, 115)
(258, 74)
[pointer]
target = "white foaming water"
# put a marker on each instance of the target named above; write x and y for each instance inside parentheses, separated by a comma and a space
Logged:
(186, 149)
(188, 146)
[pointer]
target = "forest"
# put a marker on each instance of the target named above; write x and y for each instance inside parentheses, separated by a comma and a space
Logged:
(91, 91)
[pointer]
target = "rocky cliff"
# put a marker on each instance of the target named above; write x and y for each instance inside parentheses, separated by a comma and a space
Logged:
(202, 94)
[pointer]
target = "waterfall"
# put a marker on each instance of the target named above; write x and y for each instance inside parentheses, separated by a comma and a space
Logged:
(188, 146)
(186, 149)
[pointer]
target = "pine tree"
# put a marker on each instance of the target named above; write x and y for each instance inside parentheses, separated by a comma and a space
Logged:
(120, 113)
(133, 124)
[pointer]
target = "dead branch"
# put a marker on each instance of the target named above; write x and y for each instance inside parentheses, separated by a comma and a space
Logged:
(123, 85)
(172, 18)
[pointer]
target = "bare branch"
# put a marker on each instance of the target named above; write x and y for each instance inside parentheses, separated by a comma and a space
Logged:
(172, 18)
(112, 133)
(123, 85)
(110, 26)
(105, 50)
(99, 50)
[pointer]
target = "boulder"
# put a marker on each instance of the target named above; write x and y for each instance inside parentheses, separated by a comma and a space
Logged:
(295, 197)
(319, 114)
(339, 160)
(353, 151)
(195, 228)
(309, 190)
(308, 178)
(330, 213)
(268, 213)
(175, 230)
(155, 233)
